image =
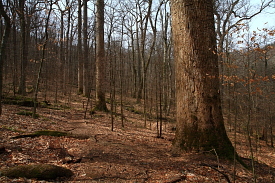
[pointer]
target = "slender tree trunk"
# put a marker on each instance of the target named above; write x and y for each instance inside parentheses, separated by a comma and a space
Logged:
(41, 62)
(100, 58)
(271, 135)
(142, 54)
(66, 79)
(156, 98)
(80, 58)
(121, 74)
(3, 48)
(15, 71)
(200, 124)
(24, 48)
(61, 54)
(249, 113)
(235, 97)
(112, 89)
(160, 102)
(86, 88)
(139, 83)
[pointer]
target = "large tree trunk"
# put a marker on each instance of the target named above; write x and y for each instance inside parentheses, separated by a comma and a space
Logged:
(100, 58)
(200, 124)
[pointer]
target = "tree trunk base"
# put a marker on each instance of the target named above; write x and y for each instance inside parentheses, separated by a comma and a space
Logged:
(100, 107)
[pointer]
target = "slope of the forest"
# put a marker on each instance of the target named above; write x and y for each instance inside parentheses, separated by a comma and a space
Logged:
(128, 154)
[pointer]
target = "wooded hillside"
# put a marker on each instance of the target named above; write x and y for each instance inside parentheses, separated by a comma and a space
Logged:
(64, 62)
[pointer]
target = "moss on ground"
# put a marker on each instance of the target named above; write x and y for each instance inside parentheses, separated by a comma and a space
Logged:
(37, 171)
(42, 132)
(51, 133)
(28, 113)
(18, 100)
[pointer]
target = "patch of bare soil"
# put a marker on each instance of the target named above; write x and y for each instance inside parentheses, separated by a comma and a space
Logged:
(128, 154)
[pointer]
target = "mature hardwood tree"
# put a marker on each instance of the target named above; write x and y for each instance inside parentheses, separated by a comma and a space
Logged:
(100, 57)
(3, 47)
(200, 124)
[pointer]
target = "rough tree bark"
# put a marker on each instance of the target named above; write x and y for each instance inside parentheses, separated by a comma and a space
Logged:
(200, 125)
(100, 58)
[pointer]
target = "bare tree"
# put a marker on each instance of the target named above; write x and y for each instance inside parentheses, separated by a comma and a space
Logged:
(24, 46)
(43, 47)
(229, 14)
(79, 44)
(100, 58)
(3, 48)
(86, 87)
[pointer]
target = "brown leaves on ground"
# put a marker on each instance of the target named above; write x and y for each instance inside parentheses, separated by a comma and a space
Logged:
(128, 154)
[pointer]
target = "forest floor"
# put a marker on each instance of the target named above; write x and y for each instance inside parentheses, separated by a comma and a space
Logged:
(128, 154)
